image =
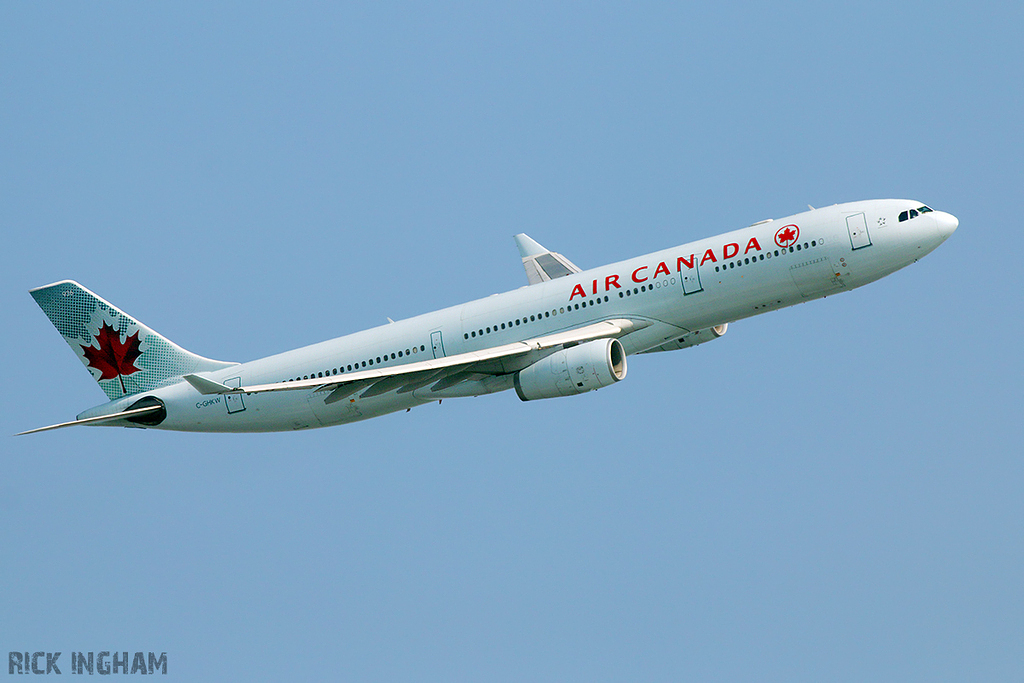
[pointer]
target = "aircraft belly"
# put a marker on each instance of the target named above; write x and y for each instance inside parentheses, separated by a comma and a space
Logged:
(354, 408)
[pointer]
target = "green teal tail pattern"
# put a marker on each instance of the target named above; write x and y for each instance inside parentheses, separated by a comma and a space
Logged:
(124, 356)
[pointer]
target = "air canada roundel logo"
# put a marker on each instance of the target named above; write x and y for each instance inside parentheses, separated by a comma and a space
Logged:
(787, 235)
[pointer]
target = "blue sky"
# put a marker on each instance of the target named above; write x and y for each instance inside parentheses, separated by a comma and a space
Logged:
(828, 492)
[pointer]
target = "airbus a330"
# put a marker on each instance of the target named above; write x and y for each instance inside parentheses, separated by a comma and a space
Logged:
(568, 332)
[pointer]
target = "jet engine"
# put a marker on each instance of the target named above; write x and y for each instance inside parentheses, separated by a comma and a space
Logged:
(577, 369)
(691, 339)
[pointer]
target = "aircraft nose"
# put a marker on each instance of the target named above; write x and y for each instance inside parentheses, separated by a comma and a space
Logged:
(946, 222)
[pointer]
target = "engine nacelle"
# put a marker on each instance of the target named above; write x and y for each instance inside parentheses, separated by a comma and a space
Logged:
(572, 371)
(691, 339)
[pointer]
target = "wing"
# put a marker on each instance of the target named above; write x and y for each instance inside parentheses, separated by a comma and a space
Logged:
(440, 372)
(541, 264)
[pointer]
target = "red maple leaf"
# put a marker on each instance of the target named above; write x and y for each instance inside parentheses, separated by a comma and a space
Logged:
(113, 358)
(786, 236)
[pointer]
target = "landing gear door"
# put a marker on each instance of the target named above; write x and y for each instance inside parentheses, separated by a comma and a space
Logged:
(858, 227)
(234, 401)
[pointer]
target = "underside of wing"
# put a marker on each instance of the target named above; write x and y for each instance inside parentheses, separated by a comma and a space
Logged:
(438, 373)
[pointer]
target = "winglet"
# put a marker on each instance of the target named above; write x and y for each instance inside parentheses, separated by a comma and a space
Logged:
(540, 263)
(208, 386)
(527, 246)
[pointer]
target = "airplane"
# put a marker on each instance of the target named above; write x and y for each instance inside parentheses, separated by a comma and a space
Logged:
(566, 333)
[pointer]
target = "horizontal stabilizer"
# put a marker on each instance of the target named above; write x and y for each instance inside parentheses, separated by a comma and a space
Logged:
(124, 414)
(208, 386)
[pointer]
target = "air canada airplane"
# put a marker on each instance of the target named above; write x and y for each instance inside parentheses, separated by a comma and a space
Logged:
(567, 333)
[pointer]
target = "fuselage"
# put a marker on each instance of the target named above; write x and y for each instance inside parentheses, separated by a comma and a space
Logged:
(679, 293)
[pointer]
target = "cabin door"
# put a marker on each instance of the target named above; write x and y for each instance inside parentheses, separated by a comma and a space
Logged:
(691, 279)
(436, 345)
(858, 227)
(234, 401)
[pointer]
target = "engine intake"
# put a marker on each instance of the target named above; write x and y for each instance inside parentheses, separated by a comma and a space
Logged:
(575, 370)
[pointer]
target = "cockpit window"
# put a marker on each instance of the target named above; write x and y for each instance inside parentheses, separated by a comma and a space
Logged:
(914, 213)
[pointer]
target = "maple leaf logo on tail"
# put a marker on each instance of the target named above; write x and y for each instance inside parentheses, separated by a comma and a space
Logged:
(113, 358)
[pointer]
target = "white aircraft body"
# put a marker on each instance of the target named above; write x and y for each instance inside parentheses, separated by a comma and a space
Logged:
(567, 333)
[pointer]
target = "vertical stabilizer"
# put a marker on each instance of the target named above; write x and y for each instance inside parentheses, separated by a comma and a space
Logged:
(121, 353)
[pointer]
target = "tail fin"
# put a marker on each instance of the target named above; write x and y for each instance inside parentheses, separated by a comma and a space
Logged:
(121, 353)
